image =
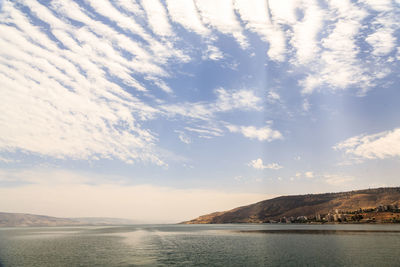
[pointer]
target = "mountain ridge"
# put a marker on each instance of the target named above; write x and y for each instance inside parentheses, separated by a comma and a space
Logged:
(303, 205)
(8, 219)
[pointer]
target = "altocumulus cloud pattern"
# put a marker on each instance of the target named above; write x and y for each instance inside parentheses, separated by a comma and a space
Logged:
(86, 79)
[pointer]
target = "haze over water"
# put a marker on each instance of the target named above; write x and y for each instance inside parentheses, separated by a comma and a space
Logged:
(202, 245)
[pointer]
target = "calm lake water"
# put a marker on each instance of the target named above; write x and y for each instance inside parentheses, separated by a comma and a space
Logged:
(202, 245)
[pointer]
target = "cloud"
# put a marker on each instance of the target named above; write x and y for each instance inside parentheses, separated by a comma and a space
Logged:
(284, 12)
(273, 96)
(75, 195)
(376, 146)
(184, 12)
(226, 100)
(130, 7)
(340, 51)
(183, 137)
(305, 32)
(259, 165)
(239, 178)
(207, 132)
(157, 17)
(220, 15)
(7, 160)
(309, 174)
(256, 18)
(382, 41)
(339, 46)
(236, 99)
(202, 117)
(262, 134)
(306, 105)
(337, 180)
(382, 5)
(67, 105)
(83, 81)
(213, 53)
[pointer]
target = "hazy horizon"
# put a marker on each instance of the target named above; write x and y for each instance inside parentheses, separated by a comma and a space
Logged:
(161, 111)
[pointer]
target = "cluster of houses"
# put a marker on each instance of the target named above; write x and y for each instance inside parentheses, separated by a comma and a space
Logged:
(341, 216)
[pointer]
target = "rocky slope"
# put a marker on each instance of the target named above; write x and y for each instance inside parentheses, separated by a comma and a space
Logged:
(303, 205)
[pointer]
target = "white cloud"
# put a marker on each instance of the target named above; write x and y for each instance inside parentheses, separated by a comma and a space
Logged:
(382, 41)
(376, 146)
(205, 132)
(284, 12)
(239, 178)
(305, 32)
(259, 165)
(160, 84)
(161, 51)
(226, 100)
(184, 12)
(309, 174)
(256, 17)
(183, 137)
(213, 53)
(202, 117)
(7, 160)
(236, 99)
(88, 79)
(157, 17)
(273, 96)
(64, 103)
(130, 6)
(262, 134)
(220, 15)
(306, 105)
(69, 194)
(339, 55)
(342, 49)
(338, 180)
(381, 5)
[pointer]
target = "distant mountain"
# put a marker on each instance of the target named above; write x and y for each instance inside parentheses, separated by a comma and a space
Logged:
(303, 205)
(104, 221)
(22, 219)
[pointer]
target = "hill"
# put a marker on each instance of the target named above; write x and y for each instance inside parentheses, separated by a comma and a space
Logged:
(304, 205)
(22, 219)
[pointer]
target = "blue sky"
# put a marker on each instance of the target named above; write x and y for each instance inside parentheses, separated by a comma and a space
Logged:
(164, 110)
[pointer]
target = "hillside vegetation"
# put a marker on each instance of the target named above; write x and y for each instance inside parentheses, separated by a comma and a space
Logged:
(304, 205)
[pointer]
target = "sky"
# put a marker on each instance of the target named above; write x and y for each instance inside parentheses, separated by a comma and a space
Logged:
(161, 111)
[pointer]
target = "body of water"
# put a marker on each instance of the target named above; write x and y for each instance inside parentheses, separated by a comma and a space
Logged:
(202, 245)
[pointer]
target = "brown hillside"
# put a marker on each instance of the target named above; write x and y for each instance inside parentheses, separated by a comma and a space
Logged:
(304, 205)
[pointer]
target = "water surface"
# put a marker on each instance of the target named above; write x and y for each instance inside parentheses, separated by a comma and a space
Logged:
(202, 245)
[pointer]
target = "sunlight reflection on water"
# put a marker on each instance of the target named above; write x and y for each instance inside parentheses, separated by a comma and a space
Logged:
(202, 245)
